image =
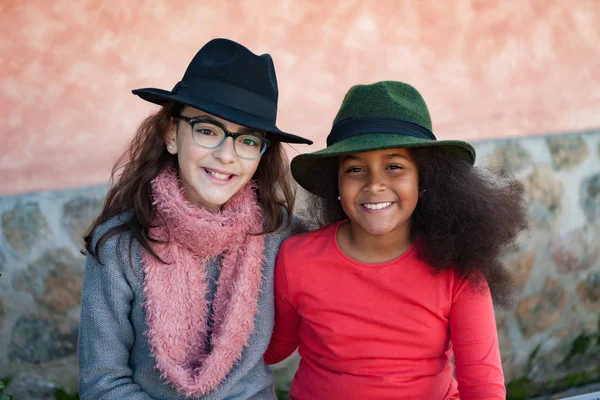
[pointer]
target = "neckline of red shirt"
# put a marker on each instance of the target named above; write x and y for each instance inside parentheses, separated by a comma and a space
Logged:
(389, 263)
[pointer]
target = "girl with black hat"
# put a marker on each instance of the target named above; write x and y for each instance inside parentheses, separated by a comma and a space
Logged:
(178, 287)
(402, 279)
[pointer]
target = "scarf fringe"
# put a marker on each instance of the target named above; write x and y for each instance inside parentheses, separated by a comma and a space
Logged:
(176, 305)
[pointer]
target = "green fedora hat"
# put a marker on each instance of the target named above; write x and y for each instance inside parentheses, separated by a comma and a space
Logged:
(382, 115)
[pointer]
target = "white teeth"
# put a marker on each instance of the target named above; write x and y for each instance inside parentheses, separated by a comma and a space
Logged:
(221, 177)
(377, 206)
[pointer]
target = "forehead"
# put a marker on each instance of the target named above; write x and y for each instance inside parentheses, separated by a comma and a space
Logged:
(379, 154)
(230, 126)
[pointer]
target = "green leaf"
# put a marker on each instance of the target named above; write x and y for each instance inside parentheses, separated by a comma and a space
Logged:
(576, 379)
(519, 389)
(282, 394)
(532, 357)
(580, 345)
(60, 394)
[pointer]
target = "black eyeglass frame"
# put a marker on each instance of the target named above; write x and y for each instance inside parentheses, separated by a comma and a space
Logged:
(233, 136)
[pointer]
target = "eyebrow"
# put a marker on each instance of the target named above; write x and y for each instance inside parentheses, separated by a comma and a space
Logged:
(394, 155)
(243, 129)
(388, 156)
(350, 158)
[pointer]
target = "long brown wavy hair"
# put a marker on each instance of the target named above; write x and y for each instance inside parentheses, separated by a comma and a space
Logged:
(465, 219)
(145, 158)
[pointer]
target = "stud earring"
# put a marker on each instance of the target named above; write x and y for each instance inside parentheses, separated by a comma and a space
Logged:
(339, 198)
(170, 147)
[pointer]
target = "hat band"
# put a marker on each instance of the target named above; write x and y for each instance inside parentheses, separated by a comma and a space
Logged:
(228, 95)
(360, 125)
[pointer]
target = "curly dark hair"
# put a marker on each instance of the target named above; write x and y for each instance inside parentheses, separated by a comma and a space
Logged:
(467, 217)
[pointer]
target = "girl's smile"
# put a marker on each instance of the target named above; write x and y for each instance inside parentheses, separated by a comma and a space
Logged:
(379, 191)
(219, 177)
(209, 176)
(378, 207)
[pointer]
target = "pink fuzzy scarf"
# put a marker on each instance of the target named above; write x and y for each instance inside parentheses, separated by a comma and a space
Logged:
(176, 305)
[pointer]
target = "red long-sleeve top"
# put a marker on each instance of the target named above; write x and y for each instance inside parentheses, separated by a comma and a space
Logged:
(380, 331)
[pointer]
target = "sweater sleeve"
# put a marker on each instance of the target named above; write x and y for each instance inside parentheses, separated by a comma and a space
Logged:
(475, 343)
(106, 333)
(287, 321)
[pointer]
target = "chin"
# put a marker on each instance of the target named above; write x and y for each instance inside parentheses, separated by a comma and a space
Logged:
(380, 232)
(218, 203)
(380, 229)
(210, 202)
(377, 230)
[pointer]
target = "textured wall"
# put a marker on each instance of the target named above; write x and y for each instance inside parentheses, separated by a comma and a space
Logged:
(487, 69)
(551, 333)
(554, 329)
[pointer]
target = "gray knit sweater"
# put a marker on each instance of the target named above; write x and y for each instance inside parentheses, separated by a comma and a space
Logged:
(115, 361)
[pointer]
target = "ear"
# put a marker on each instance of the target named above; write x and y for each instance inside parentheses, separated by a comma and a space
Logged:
(171, 138)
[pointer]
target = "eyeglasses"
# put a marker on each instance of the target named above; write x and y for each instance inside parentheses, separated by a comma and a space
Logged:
(211, 134)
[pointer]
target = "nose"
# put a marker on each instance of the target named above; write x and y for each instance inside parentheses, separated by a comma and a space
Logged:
(225, 152)
(375, 183)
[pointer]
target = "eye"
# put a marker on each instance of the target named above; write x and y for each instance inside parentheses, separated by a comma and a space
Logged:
(395, 166)
(354, 170)
(204, 131)
(250, 141)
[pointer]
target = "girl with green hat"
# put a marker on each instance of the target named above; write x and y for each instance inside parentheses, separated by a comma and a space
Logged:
(402, 278)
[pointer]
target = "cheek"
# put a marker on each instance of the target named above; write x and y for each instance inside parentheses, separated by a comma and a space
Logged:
(412, 192)
(249, 167)
(342, 187)
(181, 141)
(415, 186)
(186, 143)
(348, 208)
(347, 190)
(349, 186)
(192, 154)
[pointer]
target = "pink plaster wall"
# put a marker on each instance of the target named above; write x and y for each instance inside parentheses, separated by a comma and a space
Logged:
(486, 68)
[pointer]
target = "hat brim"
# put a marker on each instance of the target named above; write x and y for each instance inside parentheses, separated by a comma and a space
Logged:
(317, 171)
(161, 97)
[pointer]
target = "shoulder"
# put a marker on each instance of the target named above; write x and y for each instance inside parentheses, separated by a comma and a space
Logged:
(470, 284)
(111, 245)
(111, 223)
(285, 230)
(313, 241)
(116, 258)
(305, 254)
(296, 230)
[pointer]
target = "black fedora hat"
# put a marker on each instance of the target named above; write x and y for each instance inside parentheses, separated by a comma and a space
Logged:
(227, 80)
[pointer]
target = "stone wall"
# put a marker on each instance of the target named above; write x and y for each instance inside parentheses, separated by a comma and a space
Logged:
(40, 287)
(549, 339)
